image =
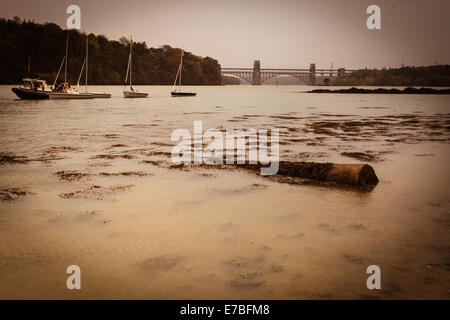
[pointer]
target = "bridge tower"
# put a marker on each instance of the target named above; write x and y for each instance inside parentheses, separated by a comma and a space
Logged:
(312, 74)
(341, 72)
(256, 73)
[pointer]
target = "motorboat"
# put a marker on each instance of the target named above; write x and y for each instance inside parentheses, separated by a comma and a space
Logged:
(33, 89)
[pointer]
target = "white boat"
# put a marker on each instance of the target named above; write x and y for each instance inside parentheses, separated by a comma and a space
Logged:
(64, 90)
(177, 92)
(100, 95)
(85, 63)
(131, 93)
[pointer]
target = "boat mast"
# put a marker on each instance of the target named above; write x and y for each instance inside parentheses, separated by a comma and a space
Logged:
(131, 57)
(59, 70)
(176, 77)
(28, 64)
(87, 59)
(181, 66)
(128, 69)
(67, 48)
(81, 72)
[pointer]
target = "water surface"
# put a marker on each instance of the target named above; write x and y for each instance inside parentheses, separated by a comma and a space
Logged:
(89, 182)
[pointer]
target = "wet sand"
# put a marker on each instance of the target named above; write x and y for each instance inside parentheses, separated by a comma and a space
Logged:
(91, 183)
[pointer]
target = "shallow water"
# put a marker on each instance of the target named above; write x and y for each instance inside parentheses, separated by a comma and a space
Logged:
(149, 231)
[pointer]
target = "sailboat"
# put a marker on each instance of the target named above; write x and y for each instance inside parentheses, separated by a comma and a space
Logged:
(177, 92)
(36, 89)
(64, 90)
(85, 63)
(131, 93)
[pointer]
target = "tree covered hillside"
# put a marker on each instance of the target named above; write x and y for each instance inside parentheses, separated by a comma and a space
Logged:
(45, 45)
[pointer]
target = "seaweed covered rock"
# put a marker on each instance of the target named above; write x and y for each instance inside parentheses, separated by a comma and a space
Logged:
(409, 90)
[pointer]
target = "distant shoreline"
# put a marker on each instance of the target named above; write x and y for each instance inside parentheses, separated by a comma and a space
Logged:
(408, 90)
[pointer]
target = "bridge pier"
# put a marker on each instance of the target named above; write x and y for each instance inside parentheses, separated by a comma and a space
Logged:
(256, 73)
(341, 72)
(312, 74)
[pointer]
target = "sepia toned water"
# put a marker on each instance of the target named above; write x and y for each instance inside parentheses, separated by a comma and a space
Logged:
(90, 183)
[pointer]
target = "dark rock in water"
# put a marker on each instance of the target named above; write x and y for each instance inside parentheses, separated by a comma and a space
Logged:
(408, 90)
(360, 156)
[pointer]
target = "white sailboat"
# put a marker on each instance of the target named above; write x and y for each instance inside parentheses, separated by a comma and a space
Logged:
(85, 63)
(176, 92)
(64, 90)
(131, 93)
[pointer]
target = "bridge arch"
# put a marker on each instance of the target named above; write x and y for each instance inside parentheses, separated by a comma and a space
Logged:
(246, 78)
(304, 79)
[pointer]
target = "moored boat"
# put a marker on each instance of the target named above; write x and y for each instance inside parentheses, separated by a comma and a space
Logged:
(95, 95)
(177, 92)
(32, 89)
(131, 93)
(181, 93)
(65, 91)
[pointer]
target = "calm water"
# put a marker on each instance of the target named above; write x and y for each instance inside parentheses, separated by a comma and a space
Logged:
(140, 229)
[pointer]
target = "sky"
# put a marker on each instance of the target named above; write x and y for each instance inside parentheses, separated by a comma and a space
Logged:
(279, 33)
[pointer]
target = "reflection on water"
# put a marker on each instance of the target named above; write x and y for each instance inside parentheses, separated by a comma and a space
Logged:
(90, 183)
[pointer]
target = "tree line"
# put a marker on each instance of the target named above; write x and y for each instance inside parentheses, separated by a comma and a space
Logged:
(43, 45)
(438, 75)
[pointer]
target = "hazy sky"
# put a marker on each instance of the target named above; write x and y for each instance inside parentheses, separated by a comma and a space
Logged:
(289, 33)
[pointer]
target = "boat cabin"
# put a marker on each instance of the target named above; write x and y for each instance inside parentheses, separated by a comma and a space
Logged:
(35, 84)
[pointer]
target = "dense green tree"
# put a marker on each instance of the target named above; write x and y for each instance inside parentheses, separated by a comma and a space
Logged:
(45, 45)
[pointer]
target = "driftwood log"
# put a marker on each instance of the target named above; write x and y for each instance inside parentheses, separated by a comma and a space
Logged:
(354, 175)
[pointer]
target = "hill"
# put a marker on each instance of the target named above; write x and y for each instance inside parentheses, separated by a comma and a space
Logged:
(45, 45)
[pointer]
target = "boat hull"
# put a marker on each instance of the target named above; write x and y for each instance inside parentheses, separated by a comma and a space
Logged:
(129, 94)
(182, 94)
(100, 95)
(60, 95)
(27, 94)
